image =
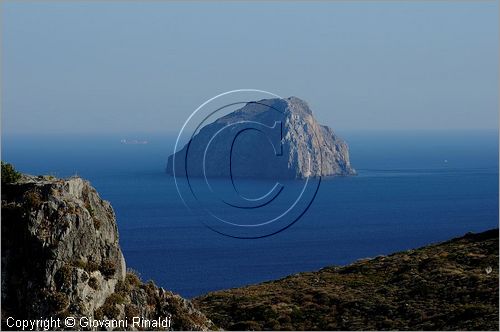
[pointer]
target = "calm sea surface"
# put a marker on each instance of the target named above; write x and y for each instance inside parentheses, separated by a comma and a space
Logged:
(412, 189)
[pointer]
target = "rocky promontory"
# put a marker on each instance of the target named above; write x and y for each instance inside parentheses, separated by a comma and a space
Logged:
(61, 258)
(307, 148)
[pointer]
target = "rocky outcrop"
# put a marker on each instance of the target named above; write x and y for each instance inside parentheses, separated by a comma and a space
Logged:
(307, 148)
(61, 257)
(448, 286)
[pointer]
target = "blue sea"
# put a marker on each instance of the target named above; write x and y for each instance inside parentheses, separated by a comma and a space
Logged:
(412, 189)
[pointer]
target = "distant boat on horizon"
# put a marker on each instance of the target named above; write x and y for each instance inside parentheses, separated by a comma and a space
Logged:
(134, 141)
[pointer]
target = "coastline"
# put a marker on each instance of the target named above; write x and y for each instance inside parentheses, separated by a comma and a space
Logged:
(447, 276)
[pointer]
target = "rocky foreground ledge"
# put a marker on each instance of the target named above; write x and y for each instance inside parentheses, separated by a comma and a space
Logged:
(447, 286)
(61, 258)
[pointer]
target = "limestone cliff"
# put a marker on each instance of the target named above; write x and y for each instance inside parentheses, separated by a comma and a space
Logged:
(61, 257)
(307, 148)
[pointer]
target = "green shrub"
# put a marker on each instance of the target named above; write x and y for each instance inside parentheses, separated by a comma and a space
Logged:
(115, 298)
(151, 296)
(9, 174)
(246, 326)
(80, 264)
(109, 308)
(122, 288)
(63, 277)
(107, 268)
(90, 209)
(57, 301)
(99, 314)
(132, 278)
(110, 311)
(33, 199)
(93, 283)
(131, 310)
(89, 266)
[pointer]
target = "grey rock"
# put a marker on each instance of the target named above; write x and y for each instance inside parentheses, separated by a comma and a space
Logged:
(61, 257)
(307, 148)
(51, 230)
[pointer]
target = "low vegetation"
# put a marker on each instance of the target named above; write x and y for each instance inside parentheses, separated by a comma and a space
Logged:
(88, 265)
(107, 268)
(9, 174)
(33, 199)
(93, 283)
(132, 295)
(448, 286)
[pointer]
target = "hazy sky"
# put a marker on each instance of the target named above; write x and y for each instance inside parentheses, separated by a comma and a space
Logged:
(122, 67)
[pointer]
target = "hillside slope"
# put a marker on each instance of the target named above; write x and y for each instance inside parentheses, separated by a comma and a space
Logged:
(447, 286)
